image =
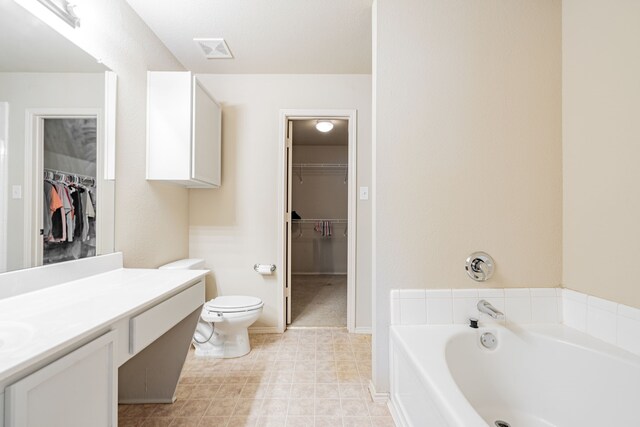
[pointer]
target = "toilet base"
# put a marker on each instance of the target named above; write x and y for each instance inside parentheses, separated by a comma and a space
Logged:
(230, 346)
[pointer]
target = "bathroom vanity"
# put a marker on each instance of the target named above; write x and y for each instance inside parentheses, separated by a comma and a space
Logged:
(63, 342)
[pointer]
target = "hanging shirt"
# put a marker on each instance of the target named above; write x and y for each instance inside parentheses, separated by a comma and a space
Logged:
(67, 207)
(70, 213)
(91, 212)
(86, 202)
(55, 203)
(46, 214)
(57, 213)
(79, 213)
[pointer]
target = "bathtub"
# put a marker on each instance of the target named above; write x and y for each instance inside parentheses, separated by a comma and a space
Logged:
(537, 376)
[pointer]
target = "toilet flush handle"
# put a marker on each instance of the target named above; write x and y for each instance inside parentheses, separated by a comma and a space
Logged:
(212, 316)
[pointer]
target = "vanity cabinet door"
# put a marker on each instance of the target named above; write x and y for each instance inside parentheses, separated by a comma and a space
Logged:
(77, 390)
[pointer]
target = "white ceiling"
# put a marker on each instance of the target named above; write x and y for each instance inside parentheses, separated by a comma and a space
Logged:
(29, 45)
(305, 133)
(266, 36)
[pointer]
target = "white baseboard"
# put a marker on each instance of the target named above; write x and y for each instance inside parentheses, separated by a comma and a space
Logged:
(398, 419)
(362, 330)
(303, 328)
(144, 401)
(264, 330)
(377, 397)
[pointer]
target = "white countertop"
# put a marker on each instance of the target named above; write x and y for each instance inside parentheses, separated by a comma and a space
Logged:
(46, 321)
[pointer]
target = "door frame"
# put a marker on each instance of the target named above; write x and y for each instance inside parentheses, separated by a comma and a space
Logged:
(34, 175)
(322, 114)
(4, 183)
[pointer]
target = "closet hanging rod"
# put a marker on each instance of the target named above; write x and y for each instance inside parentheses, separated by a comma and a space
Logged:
(321, 165)
(338, 221)
(76, 175)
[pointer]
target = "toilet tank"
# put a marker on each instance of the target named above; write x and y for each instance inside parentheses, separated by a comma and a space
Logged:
(184, 264)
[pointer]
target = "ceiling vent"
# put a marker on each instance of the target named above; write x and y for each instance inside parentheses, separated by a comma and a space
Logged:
(214, 48)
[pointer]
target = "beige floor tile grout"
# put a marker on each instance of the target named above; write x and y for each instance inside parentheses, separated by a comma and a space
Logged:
(346, 356)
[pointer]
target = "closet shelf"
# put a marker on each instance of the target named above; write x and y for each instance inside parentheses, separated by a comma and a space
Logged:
(321, 165)
(301, 169)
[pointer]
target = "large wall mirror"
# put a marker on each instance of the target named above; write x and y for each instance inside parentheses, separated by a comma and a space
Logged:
(55, 201)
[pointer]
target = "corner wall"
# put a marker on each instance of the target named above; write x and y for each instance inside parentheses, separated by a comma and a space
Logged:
(601, 148)
(235, 226)
(467, 148)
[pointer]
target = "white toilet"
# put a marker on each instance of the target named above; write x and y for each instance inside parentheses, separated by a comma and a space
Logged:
(222, 329)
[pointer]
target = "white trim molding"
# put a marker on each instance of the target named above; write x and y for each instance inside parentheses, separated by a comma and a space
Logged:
(351, 116)
(377, 396)
(110, 101)
(4, 182)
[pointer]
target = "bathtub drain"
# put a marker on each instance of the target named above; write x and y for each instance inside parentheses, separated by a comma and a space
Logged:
(500, 423)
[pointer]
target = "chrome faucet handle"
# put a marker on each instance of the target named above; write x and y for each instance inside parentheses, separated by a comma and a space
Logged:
(479, 266)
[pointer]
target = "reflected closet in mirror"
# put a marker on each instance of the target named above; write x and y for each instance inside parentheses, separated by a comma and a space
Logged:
(55, 201)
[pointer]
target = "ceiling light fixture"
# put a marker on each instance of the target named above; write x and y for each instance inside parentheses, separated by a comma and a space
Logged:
(324, 125)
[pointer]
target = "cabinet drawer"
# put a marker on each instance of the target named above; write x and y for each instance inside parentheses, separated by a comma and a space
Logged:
(150, 325)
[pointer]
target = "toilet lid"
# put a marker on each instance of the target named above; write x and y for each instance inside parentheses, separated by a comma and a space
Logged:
(233, 303)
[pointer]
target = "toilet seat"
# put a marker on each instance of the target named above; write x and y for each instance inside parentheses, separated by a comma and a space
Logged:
(233, 304)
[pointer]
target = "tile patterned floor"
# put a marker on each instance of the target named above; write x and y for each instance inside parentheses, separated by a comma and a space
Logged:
(312, 378)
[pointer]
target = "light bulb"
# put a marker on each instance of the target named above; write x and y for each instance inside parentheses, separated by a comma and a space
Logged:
(324, 126)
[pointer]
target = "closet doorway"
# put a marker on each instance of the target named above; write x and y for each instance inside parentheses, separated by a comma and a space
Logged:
(64, 175)
(319, 220)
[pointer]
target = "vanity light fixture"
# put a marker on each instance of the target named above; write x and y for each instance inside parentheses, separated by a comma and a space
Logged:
(63, 10)
(324, 125)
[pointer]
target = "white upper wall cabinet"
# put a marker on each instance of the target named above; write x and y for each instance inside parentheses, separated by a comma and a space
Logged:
(183, 130)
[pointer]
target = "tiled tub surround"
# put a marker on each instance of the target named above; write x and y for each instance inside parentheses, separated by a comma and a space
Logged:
(447, 306)
(614, 323)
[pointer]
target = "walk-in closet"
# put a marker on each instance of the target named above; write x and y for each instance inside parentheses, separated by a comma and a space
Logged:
(69, 189)
(319, 225)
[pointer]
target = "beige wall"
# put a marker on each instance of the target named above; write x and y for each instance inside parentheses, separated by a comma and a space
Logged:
(601, 148)
(151, 218)
(236, 226)
(467, 147)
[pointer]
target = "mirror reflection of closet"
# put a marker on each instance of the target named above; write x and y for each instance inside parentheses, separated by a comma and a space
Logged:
(67, 99)
(69, 188)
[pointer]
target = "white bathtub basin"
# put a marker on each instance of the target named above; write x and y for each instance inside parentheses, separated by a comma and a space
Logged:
(538, 376)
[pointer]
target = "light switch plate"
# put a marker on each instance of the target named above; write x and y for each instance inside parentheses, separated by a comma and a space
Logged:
(364, 193)
(16, 192)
